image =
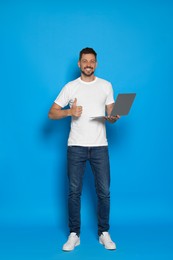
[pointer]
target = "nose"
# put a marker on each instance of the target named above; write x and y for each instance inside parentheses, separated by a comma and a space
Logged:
(89, 64)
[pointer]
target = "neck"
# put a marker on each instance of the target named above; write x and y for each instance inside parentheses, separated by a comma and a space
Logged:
(88, 78)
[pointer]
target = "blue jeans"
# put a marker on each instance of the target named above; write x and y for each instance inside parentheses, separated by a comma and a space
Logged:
(98, 158)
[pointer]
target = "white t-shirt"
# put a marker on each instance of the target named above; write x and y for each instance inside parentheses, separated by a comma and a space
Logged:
(93, 97)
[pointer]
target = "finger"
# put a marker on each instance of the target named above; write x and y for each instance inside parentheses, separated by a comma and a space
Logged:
(79, 108)
(78, 113)
(115, 117)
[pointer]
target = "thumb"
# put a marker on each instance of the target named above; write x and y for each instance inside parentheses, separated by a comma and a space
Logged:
(75, 102)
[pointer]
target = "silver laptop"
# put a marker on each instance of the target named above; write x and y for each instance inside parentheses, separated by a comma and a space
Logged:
(123, 104)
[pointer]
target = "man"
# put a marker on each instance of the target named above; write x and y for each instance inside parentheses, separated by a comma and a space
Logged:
(87, 96)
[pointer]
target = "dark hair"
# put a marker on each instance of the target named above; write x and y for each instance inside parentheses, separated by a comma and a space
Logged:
(87, 50)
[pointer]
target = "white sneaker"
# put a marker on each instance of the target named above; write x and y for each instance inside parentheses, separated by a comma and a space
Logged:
(73, 240)
(105, 240)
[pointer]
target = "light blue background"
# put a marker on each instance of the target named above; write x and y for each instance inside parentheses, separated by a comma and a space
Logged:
(40, 43)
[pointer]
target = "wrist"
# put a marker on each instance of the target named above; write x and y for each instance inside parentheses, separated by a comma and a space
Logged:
(69, 113)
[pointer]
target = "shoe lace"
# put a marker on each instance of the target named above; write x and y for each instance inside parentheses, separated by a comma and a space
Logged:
(71, 237)
(107, 238)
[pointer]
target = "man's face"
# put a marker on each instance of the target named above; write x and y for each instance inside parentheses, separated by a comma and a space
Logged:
(87, 64)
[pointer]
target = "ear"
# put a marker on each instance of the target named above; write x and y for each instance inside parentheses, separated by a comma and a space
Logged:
(78, 63)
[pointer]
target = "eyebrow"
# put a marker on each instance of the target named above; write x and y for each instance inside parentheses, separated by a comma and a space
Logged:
(89, 60)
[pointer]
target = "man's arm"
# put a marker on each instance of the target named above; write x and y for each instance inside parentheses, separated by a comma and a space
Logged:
(109, 118)
(56, 111)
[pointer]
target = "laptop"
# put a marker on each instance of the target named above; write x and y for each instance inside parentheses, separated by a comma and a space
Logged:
(122, 105)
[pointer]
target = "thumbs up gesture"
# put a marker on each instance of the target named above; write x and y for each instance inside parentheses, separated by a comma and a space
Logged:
(76, 110)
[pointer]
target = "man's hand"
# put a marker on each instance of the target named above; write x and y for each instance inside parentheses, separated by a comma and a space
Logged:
(76, 110)
(112, 119)
(109, 118)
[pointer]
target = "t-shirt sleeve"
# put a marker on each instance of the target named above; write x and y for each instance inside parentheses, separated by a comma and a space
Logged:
(63, 97)
(110, 96)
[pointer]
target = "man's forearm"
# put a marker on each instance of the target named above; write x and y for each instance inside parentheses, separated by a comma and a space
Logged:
(59, 113)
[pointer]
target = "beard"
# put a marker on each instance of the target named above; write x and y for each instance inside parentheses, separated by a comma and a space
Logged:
(87, 73)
